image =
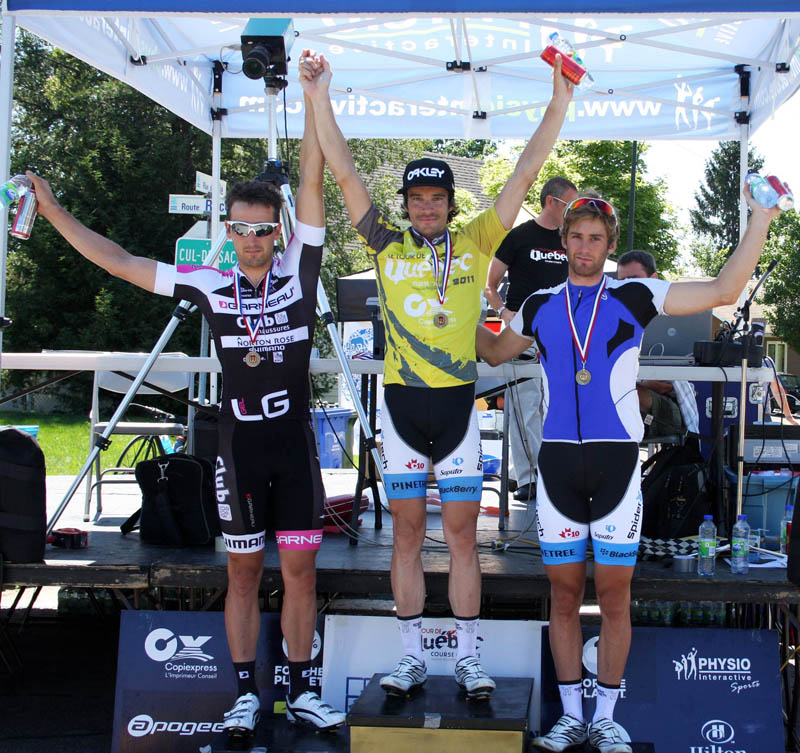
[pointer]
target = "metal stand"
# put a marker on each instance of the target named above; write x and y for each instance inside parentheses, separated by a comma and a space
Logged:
(743, 318)
(182, 310)
(368, 473)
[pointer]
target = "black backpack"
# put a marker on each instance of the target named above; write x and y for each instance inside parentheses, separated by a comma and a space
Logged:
(178, 501)
(23, 514)
(676, 492)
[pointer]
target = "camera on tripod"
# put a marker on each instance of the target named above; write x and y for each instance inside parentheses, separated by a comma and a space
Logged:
(266, 43)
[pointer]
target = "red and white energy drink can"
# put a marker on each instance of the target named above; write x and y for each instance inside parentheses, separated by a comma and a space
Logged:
(785, 198)
(26, 215)
(572, 67)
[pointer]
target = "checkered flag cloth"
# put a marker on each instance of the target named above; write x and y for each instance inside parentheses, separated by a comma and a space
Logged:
(658, 549)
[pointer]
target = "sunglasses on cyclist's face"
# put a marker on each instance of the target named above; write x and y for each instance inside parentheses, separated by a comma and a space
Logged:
(600, 204)
(259, 229)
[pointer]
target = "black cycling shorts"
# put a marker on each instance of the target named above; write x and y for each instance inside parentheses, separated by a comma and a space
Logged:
(268, 478)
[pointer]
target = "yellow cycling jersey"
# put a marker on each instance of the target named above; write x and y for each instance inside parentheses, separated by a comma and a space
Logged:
(428, 344)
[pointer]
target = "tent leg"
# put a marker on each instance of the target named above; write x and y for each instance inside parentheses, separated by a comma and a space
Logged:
(6, 102)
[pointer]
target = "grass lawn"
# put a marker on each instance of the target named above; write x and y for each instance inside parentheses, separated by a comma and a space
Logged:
(64, 439)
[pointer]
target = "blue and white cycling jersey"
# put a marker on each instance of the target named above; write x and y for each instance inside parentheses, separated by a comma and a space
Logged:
(607, 408)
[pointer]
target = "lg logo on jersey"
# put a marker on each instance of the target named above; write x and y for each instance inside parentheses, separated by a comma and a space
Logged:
(273, 405)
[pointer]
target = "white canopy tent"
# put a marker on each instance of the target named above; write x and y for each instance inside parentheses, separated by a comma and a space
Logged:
(681, 70)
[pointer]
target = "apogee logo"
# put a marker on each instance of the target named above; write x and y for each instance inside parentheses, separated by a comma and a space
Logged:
(162, 645)
(144, 724)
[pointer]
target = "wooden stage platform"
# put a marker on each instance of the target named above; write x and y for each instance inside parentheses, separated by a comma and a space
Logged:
(512, 578)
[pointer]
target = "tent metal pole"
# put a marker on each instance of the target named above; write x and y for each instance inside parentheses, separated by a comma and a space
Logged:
(744, 134)
(7, 99)
(216, 198)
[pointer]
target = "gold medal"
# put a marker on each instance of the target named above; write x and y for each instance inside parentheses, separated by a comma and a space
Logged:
(253, 359)
(440, 319)
(583, 377)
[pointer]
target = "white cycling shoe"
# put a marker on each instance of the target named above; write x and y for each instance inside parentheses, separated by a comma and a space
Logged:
(241, 720)
(309, 709)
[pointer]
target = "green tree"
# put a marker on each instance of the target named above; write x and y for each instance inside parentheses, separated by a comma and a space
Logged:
(104, 147)
(782, 288)
(716, 217)
(605, 167)
(479, 148)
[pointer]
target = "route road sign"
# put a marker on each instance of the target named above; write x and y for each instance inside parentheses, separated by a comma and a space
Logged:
(190, 204)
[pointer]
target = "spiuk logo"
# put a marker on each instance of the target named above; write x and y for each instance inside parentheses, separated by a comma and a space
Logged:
(415, 464)
(569, 533)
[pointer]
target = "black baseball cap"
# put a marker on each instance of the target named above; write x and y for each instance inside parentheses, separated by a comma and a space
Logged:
(428, 172)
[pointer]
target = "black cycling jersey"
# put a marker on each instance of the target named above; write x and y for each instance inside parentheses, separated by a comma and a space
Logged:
(278, 386)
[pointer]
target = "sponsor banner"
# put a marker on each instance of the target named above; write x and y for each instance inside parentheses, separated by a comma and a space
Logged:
(358, 647)
(357, 342)
(175, 678)
(687, 690)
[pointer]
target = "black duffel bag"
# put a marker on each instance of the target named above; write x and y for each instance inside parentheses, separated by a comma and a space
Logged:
(23, 514)
(178, 504)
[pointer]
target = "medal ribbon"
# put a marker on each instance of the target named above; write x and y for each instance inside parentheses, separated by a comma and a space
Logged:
(237, 297)
(583, 350)
(448, 263)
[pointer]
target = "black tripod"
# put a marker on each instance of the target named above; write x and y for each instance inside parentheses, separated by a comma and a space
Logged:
(367, 469)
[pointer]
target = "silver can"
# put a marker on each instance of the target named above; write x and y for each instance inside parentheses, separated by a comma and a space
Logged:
(26, 215)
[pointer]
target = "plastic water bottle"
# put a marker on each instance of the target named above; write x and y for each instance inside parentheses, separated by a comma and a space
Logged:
(770, 191)
(740, 546)
(12, 190)
(786, 528)
(707, 554)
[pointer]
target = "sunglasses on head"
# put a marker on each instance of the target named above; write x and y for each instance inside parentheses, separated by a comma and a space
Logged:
(259, 229)
(601, 205)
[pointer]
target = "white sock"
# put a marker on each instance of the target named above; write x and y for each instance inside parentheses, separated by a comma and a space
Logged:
(606, 699)
(467, 637)
(572, 698)
(411, 635)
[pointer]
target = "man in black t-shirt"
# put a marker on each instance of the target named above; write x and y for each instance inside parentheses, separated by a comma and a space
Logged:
(535, 259)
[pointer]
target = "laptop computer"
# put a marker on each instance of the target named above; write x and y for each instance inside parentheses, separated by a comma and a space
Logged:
(675, 335)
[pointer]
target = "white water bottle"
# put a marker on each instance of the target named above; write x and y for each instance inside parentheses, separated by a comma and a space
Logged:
(740, 546)
(707, 553)
(12, 190)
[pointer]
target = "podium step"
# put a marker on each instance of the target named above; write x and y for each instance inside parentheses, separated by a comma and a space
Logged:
(440, 717)
(274, 734)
